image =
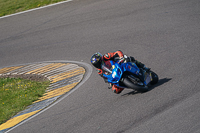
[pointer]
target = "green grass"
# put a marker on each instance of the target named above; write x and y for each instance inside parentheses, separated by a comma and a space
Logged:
(16, 94)
(13, 6)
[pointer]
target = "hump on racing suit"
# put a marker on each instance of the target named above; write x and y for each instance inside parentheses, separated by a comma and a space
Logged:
(112, 55)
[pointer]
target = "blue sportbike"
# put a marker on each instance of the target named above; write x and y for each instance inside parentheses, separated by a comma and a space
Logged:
(128, 75)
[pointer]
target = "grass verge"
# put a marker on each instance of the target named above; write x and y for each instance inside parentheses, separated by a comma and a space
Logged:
(13, 6)
(16, 94)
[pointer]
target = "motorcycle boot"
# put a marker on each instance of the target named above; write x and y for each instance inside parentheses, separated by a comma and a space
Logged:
(116, 89)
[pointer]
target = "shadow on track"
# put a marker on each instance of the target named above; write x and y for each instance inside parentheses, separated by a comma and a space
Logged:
(160, 82)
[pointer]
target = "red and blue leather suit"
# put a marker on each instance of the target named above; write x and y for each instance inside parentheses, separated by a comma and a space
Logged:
(106, 63)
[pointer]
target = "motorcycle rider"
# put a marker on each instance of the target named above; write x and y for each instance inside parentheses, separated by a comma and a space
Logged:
(101, 62)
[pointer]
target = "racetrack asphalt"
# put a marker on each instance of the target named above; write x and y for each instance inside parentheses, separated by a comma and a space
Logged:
(162, 34)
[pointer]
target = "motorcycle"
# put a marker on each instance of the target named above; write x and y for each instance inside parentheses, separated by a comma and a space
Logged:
(128, 75)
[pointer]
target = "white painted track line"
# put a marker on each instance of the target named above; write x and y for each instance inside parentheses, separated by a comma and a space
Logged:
(35, 9)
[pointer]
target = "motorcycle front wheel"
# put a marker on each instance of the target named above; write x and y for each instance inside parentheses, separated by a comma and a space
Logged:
(140, 88)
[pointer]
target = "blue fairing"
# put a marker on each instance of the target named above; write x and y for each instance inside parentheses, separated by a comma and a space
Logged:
(118, 69)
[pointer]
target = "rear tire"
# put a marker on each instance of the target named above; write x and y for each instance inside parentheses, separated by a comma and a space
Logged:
(155, 78)
(131, 85)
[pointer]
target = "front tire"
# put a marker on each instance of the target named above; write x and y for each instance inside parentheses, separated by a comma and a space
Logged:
(127, 82)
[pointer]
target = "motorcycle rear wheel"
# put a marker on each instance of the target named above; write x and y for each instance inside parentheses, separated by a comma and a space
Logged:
(154, 77)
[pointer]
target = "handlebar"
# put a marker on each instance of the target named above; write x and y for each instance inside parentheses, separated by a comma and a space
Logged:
(118, 60)
(106, 69)
(121, 60)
